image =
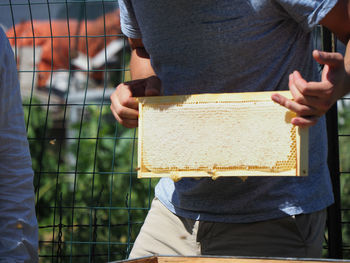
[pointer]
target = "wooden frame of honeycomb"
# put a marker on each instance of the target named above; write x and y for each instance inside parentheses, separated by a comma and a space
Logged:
(214, 135)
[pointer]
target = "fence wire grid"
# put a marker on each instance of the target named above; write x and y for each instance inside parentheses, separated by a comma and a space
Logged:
(71, 55)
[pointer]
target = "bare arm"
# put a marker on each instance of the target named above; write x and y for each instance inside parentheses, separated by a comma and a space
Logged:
(144, 82)
(338, 20)
(140, 64)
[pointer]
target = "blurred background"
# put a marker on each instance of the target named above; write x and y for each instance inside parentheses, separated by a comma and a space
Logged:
(70, 56)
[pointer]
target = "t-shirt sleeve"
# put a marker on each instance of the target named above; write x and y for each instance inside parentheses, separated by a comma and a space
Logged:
(128, 21)
(305, 12)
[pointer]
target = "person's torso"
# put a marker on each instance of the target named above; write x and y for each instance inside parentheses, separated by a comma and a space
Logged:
(212, 46)
(222, 46)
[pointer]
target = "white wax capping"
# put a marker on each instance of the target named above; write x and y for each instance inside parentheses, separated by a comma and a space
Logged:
(193, 136)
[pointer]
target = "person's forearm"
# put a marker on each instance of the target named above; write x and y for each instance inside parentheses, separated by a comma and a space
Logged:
(140, 65)
(338, 20)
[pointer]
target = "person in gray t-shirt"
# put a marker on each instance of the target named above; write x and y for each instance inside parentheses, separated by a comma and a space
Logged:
(207, 46)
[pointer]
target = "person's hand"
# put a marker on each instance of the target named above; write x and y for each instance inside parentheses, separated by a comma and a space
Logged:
(124, 106)
(311, 100)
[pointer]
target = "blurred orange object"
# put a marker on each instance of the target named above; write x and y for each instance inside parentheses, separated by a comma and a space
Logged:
(62, 40)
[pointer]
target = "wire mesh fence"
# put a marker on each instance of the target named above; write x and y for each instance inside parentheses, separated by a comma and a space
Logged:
(70, 56)
(344, 191)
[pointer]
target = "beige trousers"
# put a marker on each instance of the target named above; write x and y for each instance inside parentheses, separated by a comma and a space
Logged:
(164, 233)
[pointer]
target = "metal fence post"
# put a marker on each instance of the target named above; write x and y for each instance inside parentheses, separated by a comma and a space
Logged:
(334, 211)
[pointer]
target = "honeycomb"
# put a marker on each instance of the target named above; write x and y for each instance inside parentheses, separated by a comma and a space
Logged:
(216, 135)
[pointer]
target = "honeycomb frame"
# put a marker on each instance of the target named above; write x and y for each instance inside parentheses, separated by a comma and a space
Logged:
(295, 163)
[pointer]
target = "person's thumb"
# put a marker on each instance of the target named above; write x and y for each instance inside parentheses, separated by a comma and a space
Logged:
(153, 86)
(332, 59)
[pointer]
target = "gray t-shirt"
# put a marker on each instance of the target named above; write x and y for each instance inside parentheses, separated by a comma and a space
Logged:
(211, 46)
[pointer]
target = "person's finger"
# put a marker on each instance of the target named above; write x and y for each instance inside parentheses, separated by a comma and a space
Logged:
(321, 103)
(127, 113)
(123, 109)
(299, 86)
(313, 89)
(128, 123)
(305, 121)
(298, 97)
(299, 109)
(123, 96)
(306, 116)
(129, 102)
(332, 59)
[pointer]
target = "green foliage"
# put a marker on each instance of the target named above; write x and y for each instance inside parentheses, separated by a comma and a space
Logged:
(344, 152)
(89, 204)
